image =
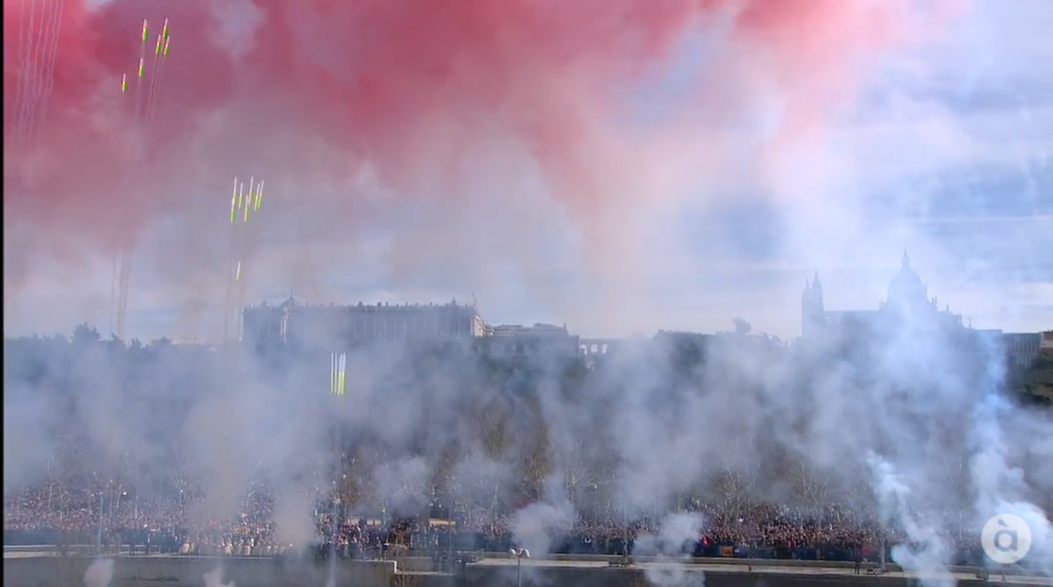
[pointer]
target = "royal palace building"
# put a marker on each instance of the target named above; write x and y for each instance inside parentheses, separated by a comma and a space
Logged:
(341, 326)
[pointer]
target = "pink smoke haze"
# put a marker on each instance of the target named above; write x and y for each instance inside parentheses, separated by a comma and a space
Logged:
(313, 89)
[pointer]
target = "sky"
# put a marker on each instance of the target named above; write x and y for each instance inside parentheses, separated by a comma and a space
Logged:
(709, 209)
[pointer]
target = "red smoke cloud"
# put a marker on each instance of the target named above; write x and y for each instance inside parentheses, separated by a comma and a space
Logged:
(406, 84)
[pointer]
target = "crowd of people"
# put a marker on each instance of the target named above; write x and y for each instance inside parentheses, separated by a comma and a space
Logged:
(98, 516)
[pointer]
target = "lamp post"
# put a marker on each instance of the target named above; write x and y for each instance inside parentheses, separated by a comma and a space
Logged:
(335, 503)
(520, 554)
(625, 534)
(98, 538)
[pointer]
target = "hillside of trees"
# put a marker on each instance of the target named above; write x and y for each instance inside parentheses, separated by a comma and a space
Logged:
(1035, 384)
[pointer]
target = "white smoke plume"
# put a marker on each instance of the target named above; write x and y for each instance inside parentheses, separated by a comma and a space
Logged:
(925, 552)
(536, 526)
(670, 568)
(215, 578)
(292, 519)
(99, 573)
(1001, 485)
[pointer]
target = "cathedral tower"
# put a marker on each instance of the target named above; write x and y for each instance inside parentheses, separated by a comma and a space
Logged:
(813, 314)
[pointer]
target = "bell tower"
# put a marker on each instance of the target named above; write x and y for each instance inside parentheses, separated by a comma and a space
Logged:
(813, 313)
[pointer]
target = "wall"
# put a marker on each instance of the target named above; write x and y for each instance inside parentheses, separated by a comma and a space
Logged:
(188, 571)
(162, 571)
(491, 576)
(415, 564)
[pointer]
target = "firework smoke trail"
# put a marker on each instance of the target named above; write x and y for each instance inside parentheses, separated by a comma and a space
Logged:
(37, 39)
(127, 252)
(127, 248)
(145, 108)
(233, 256)
(234, 207)
(54, 30)
(35, 28)
(115, 288)
(30, 71)
(26, 51)
(240, 229)
(113, 296)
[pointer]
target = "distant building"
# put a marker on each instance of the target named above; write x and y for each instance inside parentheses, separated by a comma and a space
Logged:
(336, 326)
(539, 340)
(1046, 347)
(908, 302)
(1022, 347)
(680, 337)
(588, 347)
(1018, 348)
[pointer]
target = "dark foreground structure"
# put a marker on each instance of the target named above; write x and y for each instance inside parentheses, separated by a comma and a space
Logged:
(167, 571)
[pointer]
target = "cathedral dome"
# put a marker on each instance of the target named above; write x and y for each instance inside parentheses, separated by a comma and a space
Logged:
(290, 303)
(906, 287)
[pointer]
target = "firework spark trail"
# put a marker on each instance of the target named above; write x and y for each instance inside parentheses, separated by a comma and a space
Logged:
(141, 73)
(151, 111)
(151, 84)
(255, 191)
(243, 208)
(157, 69)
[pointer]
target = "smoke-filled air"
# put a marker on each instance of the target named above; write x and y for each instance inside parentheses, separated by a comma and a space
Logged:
(285, 196)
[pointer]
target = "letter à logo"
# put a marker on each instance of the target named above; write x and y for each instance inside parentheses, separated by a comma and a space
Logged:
(1006, 538)
(1010, 546)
